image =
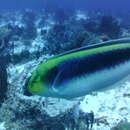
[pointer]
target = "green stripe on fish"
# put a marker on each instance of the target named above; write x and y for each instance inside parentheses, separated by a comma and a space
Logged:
(79, 72)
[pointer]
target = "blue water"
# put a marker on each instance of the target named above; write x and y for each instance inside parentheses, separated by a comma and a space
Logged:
(106, 5)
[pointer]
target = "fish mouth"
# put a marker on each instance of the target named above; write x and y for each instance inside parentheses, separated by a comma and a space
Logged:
(27, 93)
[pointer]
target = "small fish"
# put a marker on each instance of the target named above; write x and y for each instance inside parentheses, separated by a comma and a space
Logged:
(81, 71)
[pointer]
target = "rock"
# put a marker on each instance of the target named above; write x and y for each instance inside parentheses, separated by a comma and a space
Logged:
(4, 60)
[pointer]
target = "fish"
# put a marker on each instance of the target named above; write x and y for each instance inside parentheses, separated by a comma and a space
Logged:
(82, 71)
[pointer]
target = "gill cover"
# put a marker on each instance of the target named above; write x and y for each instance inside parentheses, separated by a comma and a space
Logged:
(43, 77)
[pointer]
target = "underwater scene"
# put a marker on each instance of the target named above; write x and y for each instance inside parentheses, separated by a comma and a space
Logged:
(64, 65)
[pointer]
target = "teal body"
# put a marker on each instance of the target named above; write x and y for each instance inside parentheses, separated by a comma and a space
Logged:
(82, 71)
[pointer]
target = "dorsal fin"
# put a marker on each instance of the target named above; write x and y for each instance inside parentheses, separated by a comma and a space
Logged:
(110, 42)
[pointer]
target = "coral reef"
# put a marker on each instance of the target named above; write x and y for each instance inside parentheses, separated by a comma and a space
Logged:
(63, 37)
(122, 126)
(5, 34)
(3, 77)
(110, 26)
(28, 38)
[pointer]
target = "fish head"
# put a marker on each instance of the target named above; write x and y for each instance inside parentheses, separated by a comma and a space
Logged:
(42, 79)
(36, 83)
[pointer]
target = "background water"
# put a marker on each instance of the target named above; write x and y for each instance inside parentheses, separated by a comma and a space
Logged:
(107, 5)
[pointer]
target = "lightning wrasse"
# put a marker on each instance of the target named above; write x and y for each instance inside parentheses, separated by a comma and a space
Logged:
(81, 71)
